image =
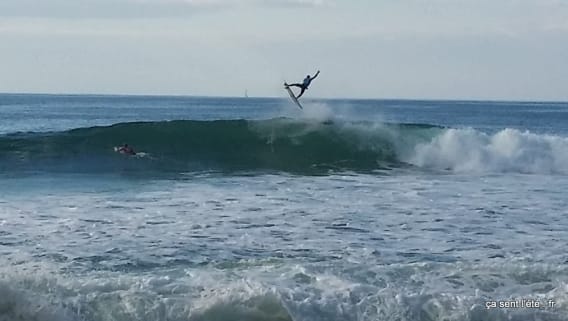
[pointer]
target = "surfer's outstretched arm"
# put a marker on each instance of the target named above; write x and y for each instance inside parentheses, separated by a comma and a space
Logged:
(317, 73)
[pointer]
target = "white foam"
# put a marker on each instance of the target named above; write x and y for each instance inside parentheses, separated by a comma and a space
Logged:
(16, 305)
(317, 111)
(509, 150)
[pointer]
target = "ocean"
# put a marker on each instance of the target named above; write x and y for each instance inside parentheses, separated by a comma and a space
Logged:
(252, 209)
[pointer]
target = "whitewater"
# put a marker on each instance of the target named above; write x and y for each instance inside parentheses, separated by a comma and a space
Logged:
(250, 209)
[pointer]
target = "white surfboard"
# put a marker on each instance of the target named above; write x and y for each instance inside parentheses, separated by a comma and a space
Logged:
(294, 99)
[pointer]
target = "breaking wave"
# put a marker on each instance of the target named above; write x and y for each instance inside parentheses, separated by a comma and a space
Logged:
(282, 144)
(297, 146)
(295, 294)
(507, 151)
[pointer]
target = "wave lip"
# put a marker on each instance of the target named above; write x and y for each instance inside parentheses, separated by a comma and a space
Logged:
(507, 151)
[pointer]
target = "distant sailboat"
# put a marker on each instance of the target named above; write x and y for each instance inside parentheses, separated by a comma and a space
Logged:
(246, 93)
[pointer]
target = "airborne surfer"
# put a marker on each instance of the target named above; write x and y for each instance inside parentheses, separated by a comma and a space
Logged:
(304, 85)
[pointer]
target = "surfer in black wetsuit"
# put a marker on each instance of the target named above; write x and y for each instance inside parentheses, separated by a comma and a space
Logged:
(304, 85)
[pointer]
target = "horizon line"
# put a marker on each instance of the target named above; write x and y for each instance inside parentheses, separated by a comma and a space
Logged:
(496, 100)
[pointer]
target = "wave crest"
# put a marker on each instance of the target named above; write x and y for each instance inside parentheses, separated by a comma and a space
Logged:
(509, 150)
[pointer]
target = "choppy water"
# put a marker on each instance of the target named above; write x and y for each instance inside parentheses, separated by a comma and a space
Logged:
(355, 210)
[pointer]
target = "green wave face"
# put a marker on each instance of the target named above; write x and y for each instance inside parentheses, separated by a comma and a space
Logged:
(295, 146)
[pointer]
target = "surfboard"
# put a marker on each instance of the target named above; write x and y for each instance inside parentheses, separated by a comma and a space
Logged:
(294, 99)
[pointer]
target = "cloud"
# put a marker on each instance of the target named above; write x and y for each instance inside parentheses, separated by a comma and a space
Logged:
(309, 3)
(133, 8)
(92, 8)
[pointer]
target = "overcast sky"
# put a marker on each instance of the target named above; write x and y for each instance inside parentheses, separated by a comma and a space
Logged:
(448, 49)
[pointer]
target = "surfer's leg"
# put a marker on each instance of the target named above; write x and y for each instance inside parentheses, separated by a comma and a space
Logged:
(301, 92)
(295, 85)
